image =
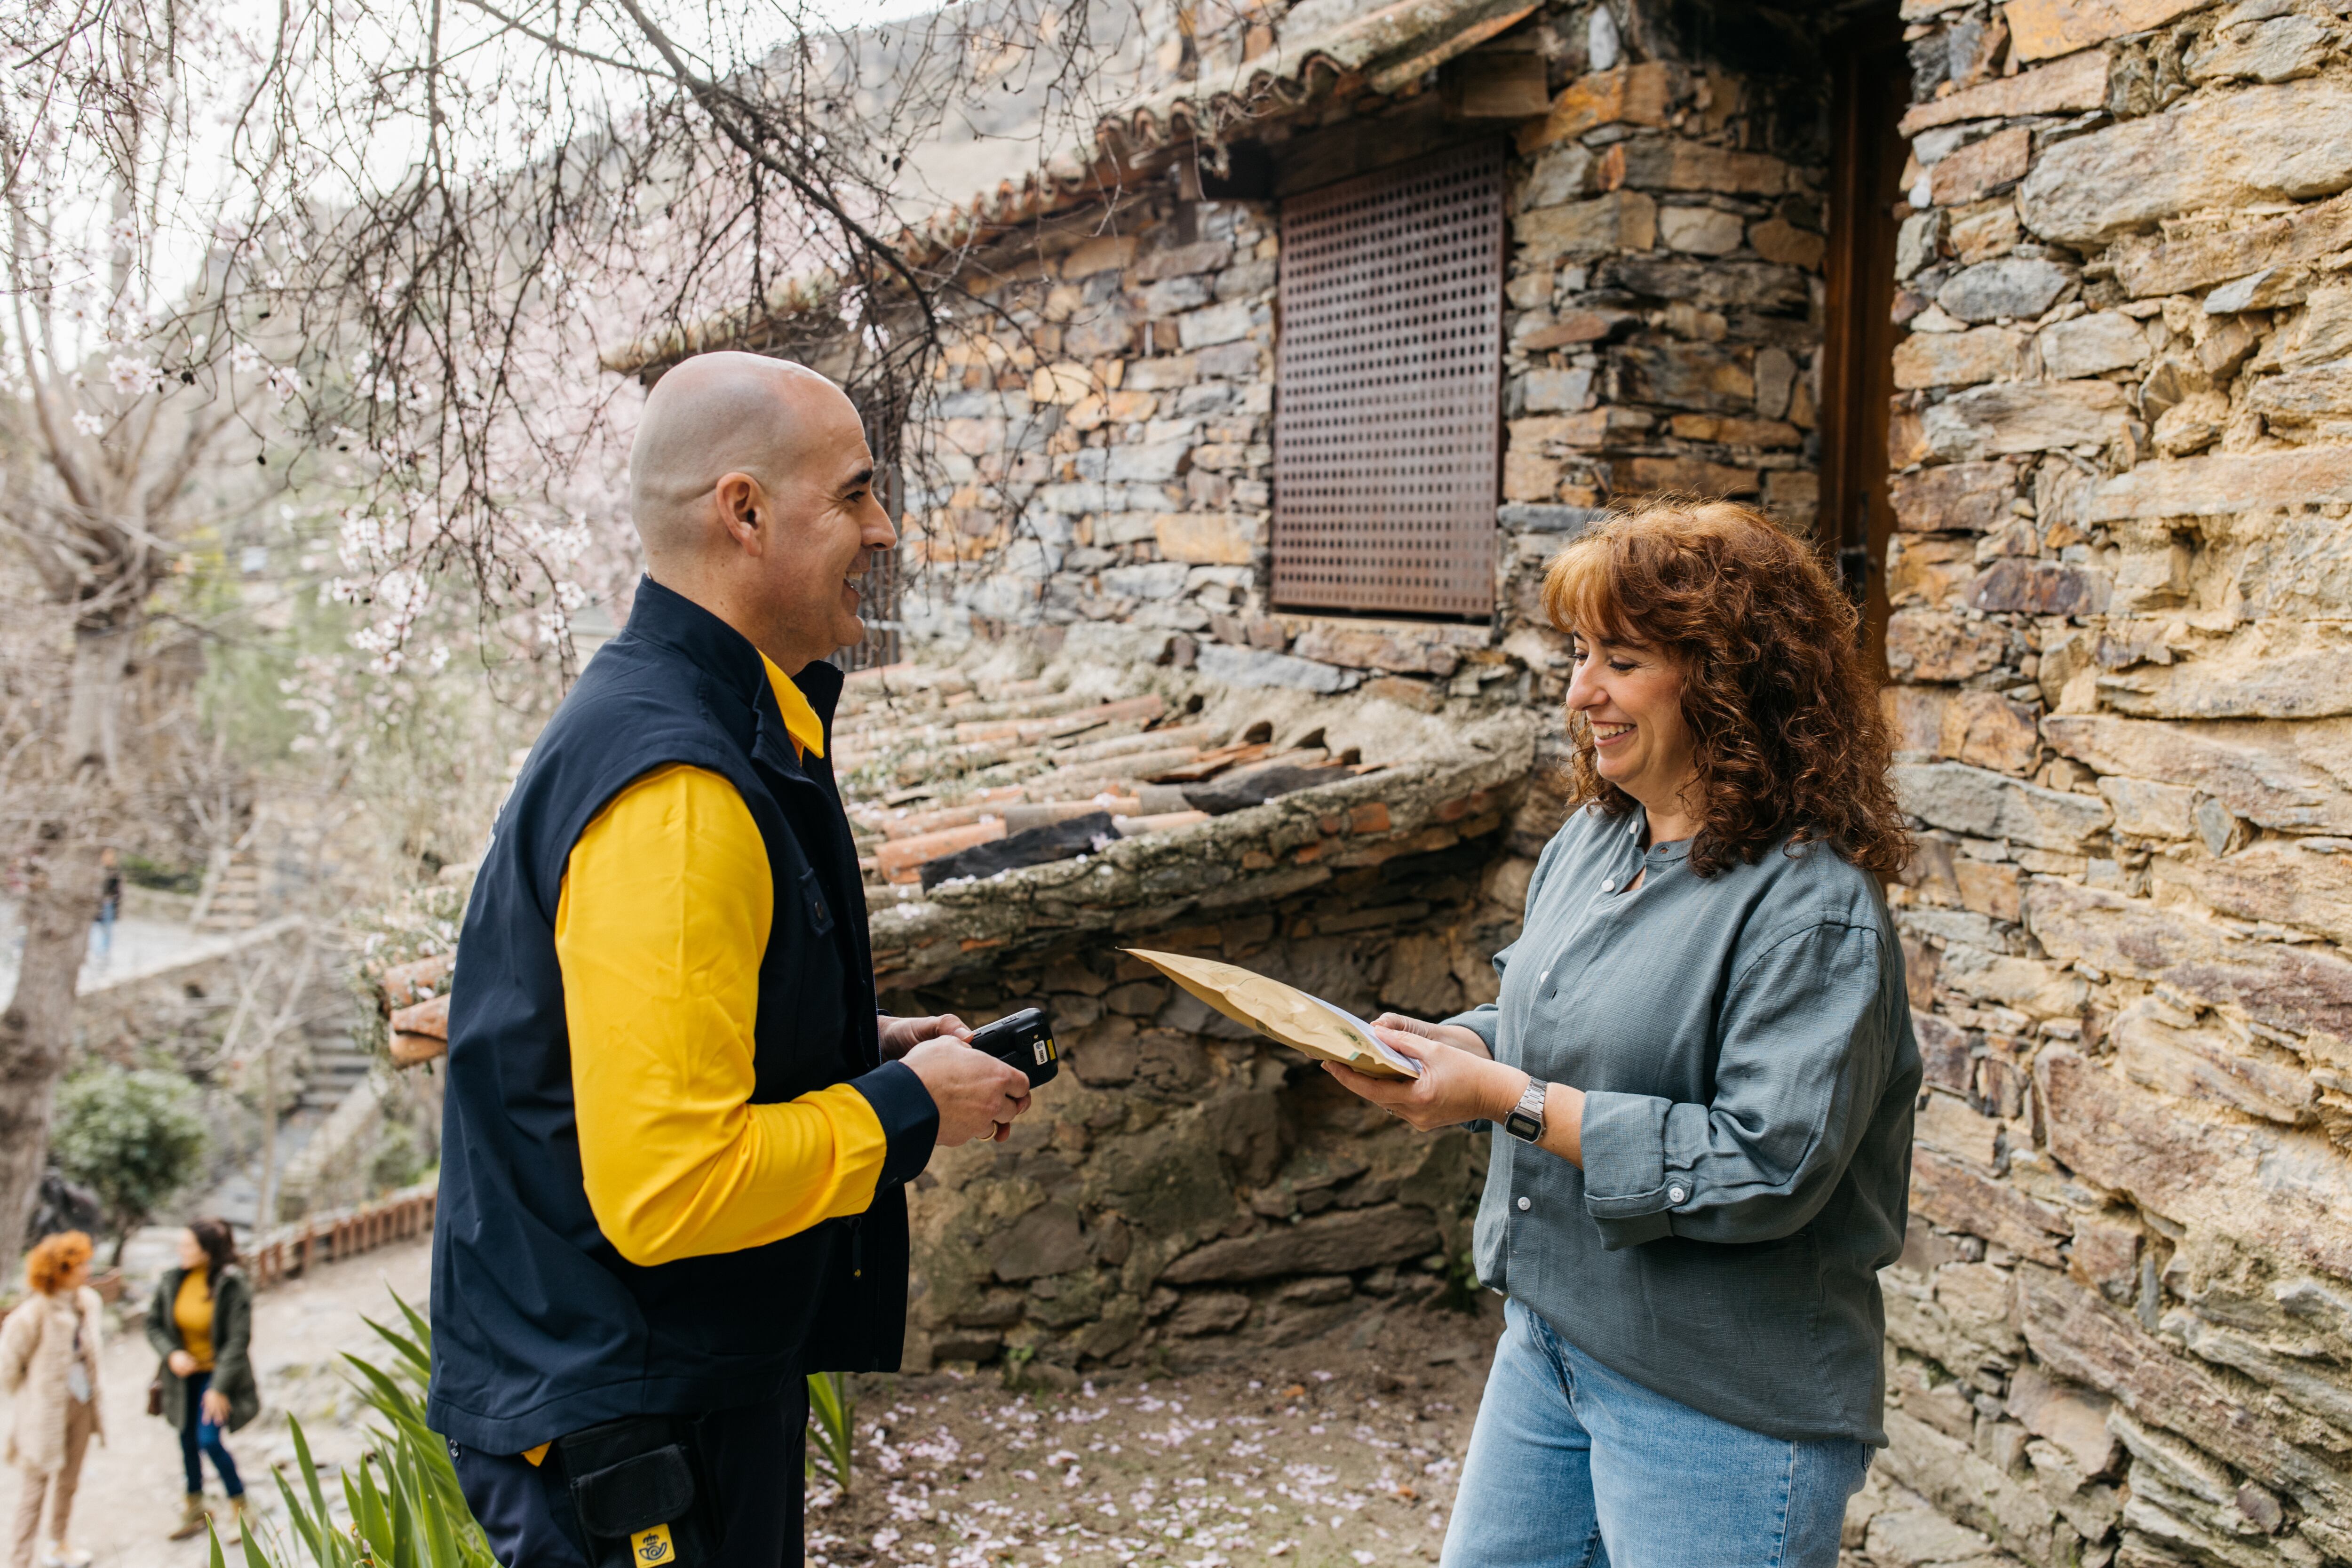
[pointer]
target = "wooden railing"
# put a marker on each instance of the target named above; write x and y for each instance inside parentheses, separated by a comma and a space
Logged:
(330, 1238)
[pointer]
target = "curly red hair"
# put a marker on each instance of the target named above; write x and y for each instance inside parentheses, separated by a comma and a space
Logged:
(1788, 738)
(53, 1257)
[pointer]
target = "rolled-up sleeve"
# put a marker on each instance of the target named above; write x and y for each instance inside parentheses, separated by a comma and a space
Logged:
(1806, 1046)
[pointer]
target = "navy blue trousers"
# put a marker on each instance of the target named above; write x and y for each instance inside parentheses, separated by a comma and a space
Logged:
(200, 1436)
(753, 1454)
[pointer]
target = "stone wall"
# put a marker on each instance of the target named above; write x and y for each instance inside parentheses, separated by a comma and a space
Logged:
(1664, 285)
(1186, 1191)
(1100, 445)
(1100, 451)
(2123, 1330)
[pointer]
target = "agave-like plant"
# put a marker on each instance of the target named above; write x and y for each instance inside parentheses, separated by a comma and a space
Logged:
(402, 1497)
(832, 1419)
(406, 1508)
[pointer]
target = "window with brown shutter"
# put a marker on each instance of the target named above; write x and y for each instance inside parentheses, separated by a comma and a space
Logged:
(1386, 429)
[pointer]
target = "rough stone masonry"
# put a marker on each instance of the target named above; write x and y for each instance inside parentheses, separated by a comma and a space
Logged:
(2123, 455)
(2120, 583)
(1098, 449)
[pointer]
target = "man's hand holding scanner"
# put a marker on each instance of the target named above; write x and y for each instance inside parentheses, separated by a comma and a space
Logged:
(978, 1096)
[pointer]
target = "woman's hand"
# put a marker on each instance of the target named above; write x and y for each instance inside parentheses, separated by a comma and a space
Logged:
(1453, 1034)
(215, 1407)
(1455, 1086)
(181, 1364)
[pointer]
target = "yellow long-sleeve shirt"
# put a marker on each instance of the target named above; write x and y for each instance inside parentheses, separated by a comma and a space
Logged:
(664, 915)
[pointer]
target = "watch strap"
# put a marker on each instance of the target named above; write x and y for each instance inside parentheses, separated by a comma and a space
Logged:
(1525, 1120)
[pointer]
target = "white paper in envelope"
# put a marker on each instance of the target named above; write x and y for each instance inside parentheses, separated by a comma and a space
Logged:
(1388, 1053)
(1284, 1013)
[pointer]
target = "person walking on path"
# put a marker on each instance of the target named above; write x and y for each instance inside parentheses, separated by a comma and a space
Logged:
(109, 904)
(1700, 1072)
(50, 1348)
(202, 1325)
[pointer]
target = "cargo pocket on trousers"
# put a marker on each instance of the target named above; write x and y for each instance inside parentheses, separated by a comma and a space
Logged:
(641, 1512)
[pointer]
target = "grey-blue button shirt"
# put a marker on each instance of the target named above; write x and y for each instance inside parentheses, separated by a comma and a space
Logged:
(1744, 1045)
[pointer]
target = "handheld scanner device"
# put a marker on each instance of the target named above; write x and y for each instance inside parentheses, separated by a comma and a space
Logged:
(1025, 1040)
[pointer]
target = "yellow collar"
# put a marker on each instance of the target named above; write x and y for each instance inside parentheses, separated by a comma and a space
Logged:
(801, 722)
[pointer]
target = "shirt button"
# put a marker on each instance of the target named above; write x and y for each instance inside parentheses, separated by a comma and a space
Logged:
(1676, 1194)
(1610, 886)
(1525, 1206)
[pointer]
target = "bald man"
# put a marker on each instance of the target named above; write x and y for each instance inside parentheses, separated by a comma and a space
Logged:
(677, 1130)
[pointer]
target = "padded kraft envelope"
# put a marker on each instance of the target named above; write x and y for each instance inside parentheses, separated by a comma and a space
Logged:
(1297, 1019)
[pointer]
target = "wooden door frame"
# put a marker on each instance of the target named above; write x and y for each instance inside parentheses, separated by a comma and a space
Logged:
(1869, 88)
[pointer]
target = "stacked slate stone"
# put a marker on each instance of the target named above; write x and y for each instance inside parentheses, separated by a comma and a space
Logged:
(1103, 440)
(1100, 458)
(2120, 585)
(942, 787)
(2122, 491)
(1668, 242)
(1187, 1192)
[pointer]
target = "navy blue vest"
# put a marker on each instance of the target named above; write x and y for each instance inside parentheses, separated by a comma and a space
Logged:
(539, 1327)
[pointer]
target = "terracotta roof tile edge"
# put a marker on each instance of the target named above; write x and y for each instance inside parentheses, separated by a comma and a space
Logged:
(1395, 45)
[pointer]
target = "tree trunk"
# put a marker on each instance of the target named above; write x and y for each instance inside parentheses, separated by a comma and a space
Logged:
(37, 1027)
(36, 1030)
(102, 657)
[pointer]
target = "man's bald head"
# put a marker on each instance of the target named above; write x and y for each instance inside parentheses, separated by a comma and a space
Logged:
(722, 413)
(752, 488)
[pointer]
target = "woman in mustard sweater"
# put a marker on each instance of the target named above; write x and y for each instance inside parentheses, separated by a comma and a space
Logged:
(202, 1325)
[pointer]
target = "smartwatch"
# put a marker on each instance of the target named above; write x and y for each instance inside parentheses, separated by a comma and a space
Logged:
(1525, 1121)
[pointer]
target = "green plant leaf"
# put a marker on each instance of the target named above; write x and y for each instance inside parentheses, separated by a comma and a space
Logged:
(254, 1556)
(833, 1428)
(417, 1356)
(418, 1328)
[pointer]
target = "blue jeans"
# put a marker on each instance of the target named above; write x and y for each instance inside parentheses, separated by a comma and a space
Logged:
(1572, 1466)
(198, 1434)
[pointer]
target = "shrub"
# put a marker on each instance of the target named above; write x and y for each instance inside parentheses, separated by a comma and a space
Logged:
(142, 872)
(399, 1159)
(133, 1138)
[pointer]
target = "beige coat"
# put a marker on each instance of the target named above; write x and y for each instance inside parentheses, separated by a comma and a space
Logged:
(36, 1349)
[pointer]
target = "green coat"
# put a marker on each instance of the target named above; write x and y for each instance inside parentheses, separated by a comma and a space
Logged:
(232, 1342)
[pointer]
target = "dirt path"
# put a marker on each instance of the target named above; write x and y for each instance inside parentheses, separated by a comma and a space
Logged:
(130, 1489)
(1338, 1452)
(1341, 1451)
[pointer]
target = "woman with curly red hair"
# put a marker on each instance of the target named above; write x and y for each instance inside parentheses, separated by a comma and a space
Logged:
(1701, 1069)
(50, 1347)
